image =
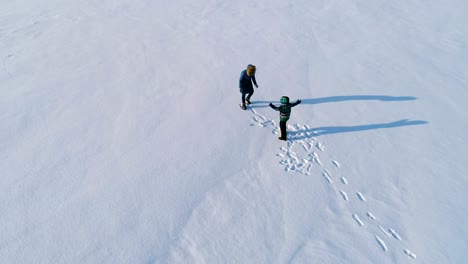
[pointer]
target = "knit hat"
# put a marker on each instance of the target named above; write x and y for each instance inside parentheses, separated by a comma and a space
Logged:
(284, 100)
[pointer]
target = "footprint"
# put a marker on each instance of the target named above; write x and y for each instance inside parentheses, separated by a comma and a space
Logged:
(289, 168)
(356, 218)
(383, 231)
(361, 197)
(343, 180)
(293, 159)
(269, 122)
(256, 121)
(320, 146)
(345, 196)
(300, 166)
(314, 157)
(306, 145)
(394, 234)
(294, 162)
(409, 253)
(336, 163)
(327, 177)
(370, 215)
(307, 170)
(261, 120)
(381, 243)
(254, 118)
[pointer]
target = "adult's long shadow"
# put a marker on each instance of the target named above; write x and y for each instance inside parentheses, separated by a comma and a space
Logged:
(320, 131)
(334, 99)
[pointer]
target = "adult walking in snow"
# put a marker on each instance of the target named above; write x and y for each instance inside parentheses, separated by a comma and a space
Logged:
(245, 84)
(285, 113)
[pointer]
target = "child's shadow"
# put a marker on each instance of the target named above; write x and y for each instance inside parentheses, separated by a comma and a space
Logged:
(335, 99)
(319, 131)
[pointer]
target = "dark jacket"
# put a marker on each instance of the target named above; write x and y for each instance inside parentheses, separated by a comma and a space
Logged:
(245, 82)
(285, 109)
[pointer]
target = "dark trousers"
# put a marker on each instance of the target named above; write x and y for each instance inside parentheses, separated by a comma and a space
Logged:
(283, 129)
(248, 96)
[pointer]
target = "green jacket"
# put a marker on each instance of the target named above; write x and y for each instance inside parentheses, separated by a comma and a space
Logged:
(285, 109)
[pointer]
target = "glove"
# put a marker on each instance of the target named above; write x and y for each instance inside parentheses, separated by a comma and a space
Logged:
(256, 86)
(271, 105)
(298, 101)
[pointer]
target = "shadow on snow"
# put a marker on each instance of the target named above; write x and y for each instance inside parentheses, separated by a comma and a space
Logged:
(319, 131)
(335, 99)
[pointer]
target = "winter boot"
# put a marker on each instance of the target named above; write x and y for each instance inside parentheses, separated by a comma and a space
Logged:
(243, 106)
(247, 101)
(282, 138)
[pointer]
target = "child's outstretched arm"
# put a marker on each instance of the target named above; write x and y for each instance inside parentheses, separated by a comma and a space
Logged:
(273, 106)
(296, 103)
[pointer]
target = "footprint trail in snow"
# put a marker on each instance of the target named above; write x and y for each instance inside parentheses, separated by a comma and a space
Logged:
(302, 153)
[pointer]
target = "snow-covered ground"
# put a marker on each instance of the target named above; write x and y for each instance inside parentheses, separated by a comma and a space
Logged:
(121, 140)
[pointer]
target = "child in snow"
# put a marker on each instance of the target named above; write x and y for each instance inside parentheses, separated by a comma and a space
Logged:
(245, 84)
(285, 112)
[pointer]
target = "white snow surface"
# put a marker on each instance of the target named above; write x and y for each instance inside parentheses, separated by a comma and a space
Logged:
(121, 139)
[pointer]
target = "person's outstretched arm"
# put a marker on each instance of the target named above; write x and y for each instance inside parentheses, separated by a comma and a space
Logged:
(273, 106)
(296, 103)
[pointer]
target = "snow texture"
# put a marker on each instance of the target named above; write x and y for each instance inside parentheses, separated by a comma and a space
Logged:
(121, 140)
